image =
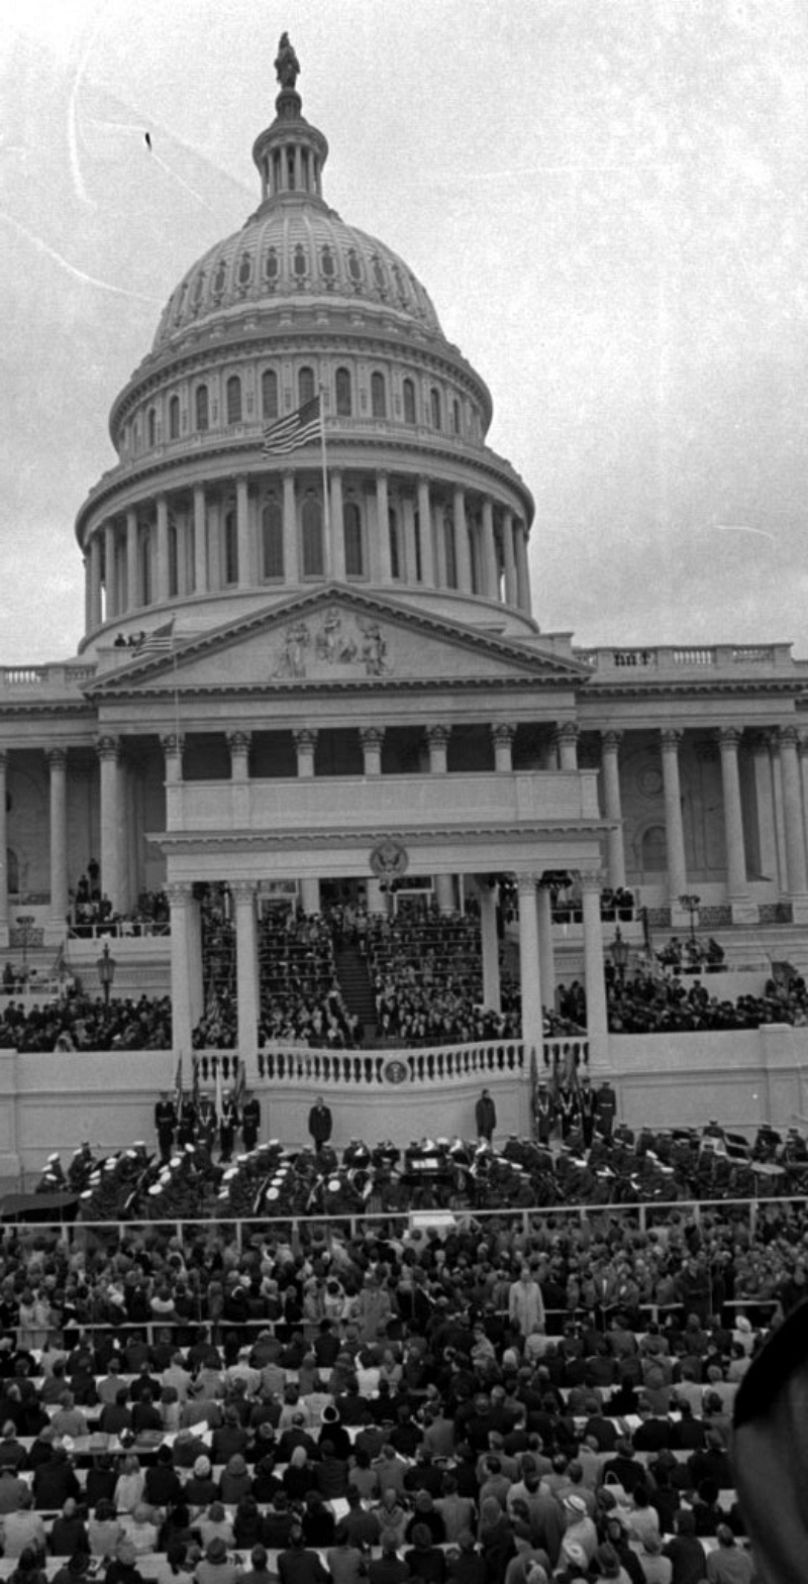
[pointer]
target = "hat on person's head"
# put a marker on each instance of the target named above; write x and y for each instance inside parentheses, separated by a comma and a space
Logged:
(573, 1551)
(652, 1543)
(575, 1505)
(202, 1467)
(217, 1550)
(79, 1563)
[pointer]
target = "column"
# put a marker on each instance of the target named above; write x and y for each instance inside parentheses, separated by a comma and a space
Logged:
(376, 898)
(246, 968)
(567, 738)
(409, 562)
(161, 552)
(511, 593)
(108, 749)
(502, 735)
(371, 738)
(522, 569)
(57, 763)
(674, 833)
(88, 617)
(743, 910)
(310, 894)
(612, 807)
(239, 744)
(489, 551)
(489, 944)
(305, 743)
(804, 778)
(95, 581)
(173, 746)
(180, 900)
(425, 530)
(779, 818)
(245, 573)
(462, 542)
(544, 910)
(445, 893)
(764, 800)
(132, 593)
(3, 850)
(438, 740)
(597, 1027)
(291, 560)
(200, 541)
(111, 604)
(337, 528)
(383, 528)
(792, 819)
(529, 966)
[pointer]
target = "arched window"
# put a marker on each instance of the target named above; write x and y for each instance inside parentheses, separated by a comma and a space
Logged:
(311, 523)
(305, 386)
(174, 418)
(152, 427)
(434, 407)
(395, 553)
(654, 850)
(202, 407)
(451, 556)
(269, 393)
(234, 399)
(272, 538)
(344, 394)
(352, 528)
(230, 547)
(408, 390)
(378, 396)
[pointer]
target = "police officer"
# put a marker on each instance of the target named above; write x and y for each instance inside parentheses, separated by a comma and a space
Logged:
(227, 1126)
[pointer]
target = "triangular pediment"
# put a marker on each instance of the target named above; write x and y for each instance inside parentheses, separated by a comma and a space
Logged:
(336, 638)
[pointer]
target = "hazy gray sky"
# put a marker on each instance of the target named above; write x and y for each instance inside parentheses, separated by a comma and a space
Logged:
(606, 199)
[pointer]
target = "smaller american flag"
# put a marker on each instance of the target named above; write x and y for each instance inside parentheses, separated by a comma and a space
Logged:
(297, 429)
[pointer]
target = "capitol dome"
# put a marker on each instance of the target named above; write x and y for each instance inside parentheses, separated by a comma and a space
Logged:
(296, 249)
(203, 518)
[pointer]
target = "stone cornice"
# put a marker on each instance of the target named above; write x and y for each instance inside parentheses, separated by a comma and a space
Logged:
(695, 688)
(340, 836)
(422, 455)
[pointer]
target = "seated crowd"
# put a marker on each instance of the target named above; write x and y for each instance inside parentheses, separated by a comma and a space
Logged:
(647, 1003)
(80, 1022)
(426, 973)
(413, 1381)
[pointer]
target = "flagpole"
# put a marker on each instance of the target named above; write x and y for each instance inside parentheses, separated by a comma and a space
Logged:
(329, 549)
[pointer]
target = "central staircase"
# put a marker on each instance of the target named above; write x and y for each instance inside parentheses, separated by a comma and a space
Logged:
(356, 989)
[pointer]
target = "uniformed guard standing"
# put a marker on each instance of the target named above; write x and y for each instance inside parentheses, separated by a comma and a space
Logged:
(586, 1107)
(544, 1113)
(227, 1126)
(250, 1120)
(165, 1121)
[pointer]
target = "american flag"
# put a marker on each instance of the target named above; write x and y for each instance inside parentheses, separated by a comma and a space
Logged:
(296, 430)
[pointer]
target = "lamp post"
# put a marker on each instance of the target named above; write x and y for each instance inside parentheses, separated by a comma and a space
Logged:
(106, 966)
(691, 905)
(619, 949)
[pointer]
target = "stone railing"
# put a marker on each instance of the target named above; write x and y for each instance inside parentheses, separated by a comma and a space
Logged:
(287, 1064)
(690, 656)
(39, 677)
(291, 1064)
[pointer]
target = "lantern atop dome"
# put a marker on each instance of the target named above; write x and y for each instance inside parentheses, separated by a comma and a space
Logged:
(290, 154)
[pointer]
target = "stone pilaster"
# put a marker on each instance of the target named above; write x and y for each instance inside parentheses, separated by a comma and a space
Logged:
(371, 738)
(502, 735)
(57, 763)
(438, 740)
(305, 744)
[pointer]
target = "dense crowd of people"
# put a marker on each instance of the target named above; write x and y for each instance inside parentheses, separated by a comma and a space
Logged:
(84, 1023)
(475, 1404)
(652, 1003)
(426, 973)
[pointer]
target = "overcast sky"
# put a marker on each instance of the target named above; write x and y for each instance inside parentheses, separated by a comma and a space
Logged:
(606, 199)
